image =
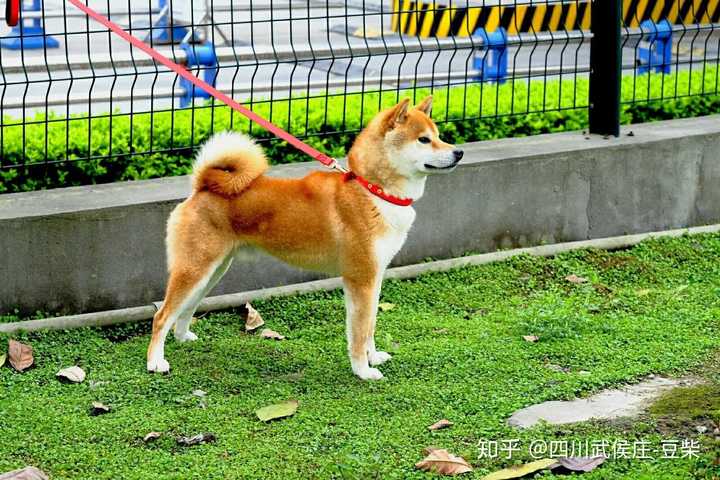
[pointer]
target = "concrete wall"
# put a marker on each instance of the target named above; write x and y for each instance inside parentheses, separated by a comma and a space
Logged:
(101, 247)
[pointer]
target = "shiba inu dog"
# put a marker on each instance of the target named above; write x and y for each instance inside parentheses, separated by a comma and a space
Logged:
(350, 225)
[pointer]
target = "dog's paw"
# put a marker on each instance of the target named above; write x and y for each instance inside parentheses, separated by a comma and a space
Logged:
(158, 366)
(369, 374)
(186, 337)
(378, 358)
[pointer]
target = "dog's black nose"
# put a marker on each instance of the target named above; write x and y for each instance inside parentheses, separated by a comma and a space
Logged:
(458, 155)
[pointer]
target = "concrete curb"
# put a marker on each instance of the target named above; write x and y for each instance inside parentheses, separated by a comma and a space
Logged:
(223, 302)
(102, 247)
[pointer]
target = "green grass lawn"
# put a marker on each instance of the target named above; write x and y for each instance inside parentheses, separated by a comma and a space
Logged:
(458, 353)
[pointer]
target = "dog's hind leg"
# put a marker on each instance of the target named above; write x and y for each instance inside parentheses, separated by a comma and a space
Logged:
(182, 326)
(184, 291)
(196, 251)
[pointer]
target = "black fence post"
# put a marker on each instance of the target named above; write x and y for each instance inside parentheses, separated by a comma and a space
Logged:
(605, 67)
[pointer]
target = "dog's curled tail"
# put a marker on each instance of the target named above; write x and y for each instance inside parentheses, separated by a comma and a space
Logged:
(227, 163)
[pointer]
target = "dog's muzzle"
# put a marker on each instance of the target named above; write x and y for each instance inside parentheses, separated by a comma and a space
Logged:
(457, 156)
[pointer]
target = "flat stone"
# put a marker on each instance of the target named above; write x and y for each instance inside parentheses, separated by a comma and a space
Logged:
(608, 404)
(27, 473)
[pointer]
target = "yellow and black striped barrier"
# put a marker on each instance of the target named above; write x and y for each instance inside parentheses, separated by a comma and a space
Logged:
(680, 12)
(434, 19)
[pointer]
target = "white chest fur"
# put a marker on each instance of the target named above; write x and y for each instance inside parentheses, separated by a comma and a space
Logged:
(399, 220)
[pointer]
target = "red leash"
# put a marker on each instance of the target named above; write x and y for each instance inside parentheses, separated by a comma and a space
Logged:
(274, 129)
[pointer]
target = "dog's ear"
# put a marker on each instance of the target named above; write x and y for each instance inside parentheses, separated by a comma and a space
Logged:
(426, 105)
(398, 114)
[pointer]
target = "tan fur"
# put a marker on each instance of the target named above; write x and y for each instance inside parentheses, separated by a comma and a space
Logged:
(320, 222)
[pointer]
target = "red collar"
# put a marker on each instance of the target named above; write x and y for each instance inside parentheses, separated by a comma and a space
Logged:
(378, 191)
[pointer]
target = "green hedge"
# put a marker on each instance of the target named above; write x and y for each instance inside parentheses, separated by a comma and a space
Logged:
(467, 113)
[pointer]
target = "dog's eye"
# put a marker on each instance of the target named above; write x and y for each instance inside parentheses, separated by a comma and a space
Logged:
(424, 140)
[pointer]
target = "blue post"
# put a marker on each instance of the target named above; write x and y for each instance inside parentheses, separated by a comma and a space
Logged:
(166, 30)
(492, 64)
(199, 55)
(29, 36)
(658, 54)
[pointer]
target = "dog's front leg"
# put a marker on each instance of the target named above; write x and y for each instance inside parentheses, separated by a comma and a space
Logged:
(375, 357)
(361, 306)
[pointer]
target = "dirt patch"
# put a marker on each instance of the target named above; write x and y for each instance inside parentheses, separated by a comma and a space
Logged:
(618, 261)
(615, 262)
(124, 332)
(696, 401)
(689, 410)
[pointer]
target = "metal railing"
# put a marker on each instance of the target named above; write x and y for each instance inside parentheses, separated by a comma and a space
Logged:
(320, 69)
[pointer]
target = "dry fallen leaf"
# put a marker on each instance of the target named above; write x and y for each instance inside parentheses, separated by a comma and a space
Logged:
(99, 409)
(531, 338)
(517, 471)
(73, 374)
(572, 278)
(443, 462)
(202, 395)
(278, 410)
(96, 384)
(271, 334)
(27, 473)
(20, 355)
(602, 289)
(444, 423)
(196, 439)
(556, 368)
(253, 319)
(577, 464)
(386, 307)
(151, 437)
